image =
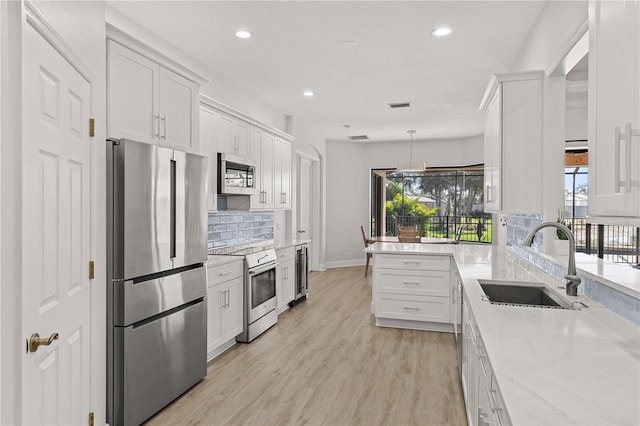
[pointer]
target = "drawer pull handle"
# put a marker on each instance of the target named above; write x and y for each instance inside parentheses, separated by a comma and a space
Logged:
(224, 273)
(411, 282)
(415, 262)
(413, 308)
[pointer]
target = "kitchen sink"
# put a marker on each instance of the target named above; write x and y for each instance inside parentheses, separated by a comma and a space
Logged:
(519, 293)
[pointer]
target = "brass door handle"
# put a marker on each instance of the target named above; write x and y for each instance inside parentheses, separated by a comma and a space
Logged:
(35, 341)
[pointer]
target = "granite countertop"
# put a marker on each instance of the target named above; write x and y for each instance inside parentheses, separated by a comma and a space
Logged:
(553, 367)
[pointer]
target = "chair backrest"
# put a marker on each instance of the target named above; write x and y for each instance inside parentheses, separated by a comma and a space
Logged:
(458, 234)
(364, 237)
(405, 229)
(409, 235)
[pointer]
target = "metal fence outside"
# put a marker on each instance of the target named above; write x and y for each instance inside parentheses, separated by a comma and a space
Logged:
(476, 229)
(619, 244)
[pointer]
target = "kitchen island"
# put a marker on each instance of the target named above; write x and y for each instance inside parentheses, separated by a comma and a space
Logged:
(541, 366)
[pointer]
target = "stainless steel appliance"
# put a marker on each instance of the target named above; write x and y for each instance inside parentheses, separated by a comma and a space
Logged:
(260, 292)
(302, 274)
(236, 174)
(156, 281)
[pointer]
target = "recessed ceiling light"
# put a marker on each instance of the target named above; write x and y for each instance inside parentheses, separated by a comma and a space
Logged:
(441, 32)
(308, 93)
(243, 34)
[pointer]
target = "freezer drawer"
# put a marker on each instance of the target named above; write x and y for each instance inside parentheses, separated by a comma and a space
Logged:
(134, 301)
(157, 361)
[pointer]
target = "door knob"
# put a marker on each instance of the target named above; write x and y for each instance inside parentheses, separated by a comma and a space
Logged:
(35, 341)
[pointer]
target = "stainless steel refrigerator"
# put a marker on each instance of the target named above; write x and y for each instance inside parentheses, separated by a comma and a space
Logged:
(156, 277)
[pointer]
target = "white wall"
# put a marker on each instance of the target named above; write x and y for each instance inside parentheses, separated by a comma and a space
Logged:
(349, 167)
(347, 202)
(558, 23)
(576, 123)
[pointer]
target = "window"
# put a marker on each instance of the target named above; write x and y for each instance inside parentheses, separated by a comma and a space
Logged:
(437, 202)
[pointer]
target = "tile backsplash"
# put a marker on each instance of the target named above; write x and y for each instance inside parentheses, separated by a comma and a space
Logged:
(518, 226)
(235, 228)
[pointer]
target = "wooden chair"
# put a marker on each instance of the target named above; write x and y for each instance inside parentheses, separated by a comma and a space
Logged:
(366, 244)
(408, 235)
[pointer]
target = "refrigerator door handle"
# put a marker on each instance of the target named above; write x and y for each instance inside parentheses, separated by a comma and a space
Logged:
(172, 246)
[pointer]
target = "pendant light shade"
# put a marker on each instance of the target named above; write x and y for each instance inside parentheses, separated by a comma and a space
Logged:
(411, 166)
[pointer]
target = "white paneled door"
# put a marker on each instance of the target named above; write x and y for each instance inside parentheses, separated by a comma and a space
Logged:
(56, 237)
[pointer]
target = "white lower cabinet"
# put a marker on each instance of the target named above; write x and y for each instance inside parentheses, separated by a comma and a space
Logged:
(285, 277)
(225, 294)
(412, 291)
(484, 403)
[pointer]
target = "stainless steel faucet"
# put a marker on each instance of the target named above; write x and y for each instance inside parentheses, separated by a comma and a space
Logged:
(573, 281)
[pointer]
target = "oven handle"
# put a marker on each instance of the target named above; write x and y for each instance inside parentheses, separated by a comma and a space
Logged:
(261, 269)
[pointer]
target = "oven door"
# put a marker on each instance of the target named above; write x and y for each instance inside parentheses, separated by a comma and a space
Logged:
(262, 291)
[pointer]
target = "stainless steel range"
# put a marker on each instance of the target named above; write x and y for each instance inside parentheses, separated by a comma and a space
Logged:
(260, 292)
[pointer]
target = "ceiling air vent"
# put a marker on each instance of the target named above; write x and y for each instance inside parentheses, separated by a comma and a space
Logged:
(359, 138)
(400, 105)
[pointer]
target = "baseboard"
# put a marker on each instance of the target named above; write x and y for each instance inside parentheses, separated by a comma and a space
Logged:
(345, 263)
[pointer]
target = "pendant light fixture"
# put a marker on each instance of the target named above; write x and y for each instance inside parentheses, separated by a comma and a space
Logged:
(411, 166)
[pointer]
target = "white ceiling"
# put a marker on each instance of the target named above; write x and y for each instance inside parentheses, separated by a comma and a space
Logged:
(298, 45)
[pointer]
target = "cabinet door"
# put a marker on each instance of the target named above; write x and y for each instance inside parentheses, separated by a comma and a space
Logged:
(282, 173)
(232, 311)
(178, 107)
(266, 172)
(225, 137)
(614, 102)
(132, 95)
(289, 282)
(493, 153)
(241, 133)
(214, 312)
(285, 187)
(255, 148)
(209, 149)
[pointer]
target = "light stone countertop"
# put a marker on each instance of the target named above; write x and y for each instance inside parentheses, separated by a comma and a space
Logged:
(619, 276)
(553, 367)
(290, 243)
(222, 259)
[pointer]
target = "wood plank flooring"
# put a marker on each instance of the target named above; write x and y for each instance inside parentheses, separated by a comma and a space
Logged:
(326, 363)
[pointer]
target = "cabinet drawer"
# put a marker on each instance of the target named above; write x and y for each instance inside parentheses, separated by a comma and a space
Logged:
(412, 262)
(425, 283)
(222, 273)
(285, 254)
(415, 308)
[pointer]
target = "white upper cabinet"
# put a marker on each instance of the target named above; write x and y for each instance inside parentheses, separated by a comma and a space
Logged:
(493, 153)
(133, 95)
(178, 111)
(262, 153)
(208, 147)
(233, 135)
(148, 102)
(512, 107)
(614, 112)
(282, 173)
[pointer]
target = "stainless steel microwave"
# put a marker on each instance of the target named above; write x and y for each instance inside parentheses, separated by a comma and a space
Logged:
(236, 175)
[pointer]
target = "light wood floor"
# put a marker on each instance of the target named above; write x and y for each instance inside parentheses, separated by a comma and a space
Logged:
(326, 363)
